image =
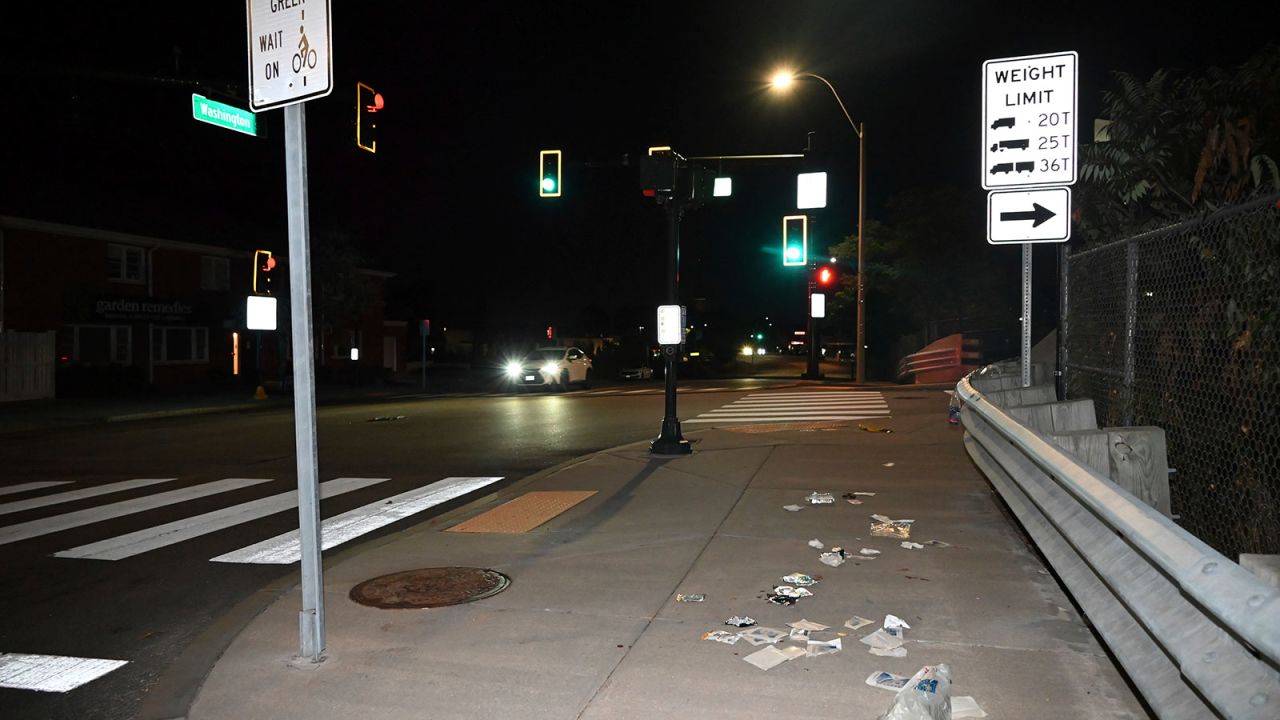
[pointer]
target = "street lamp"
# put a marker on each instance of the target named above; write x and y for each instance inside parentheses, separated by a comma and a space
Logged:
(782, 80)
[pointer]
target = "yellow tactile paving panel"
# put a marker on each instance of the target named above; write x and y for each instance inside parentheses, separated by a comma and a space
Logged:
(524, 513)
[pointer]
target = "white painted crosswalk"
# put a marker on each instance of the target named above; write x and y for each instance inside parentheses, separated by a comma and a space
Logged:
(287, 548)
(798, 406)
(282, 549)
(51, 673)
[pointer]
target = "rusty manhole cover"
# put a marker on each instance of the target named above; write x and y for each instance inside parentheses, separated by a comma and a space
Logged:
(430, 587)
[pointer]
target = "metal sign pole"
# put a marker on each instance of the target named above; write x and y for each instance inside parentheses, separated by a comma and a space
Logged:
(1026, 315)
(311, 618)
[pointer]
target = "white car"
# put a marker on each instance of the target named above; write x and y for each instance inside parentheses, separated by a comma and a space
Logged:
(640, 372)
(551, 367)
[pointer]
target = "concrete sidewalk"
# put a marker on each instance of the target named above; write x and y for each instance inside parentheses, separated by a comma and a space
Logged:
(590, 626)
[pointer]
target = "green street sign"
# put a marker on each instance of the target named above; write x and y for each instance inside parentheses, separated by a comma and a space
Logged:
(223, 115)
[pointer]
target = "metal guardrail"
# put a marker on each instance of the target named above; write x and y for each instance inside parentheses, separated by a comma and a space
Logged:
(929, 360)
(1198, 635)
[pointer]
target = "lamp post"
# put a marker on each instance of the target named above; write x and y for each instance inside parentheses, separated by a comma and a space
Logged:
(781, 81)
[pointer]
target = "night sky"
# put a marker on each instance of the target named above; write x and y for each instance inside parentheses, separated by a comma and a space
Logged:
(98, 131)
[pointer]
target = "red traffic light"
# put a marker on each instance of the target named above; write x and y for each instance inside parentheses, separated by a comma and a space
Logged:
(825, 276)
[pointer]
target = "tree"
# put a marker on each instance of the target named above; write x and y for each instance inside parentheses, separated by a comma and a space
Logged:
(1181, 144)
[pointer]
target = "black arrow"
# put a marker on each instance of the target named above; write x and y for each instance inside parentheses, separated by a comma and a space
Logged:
(1039, 214)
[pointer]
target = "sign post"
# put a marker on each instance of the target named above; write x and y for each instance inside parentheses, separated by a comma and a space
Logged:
(287, 67)
(1029, 141)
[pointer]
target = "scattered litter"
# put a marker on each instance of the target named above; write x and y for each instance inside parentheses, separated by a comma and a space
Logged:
(740, 621)
(882, 640)
(898, 652)
(792, 508)
(722, 636)
(868, 494)
(816, 543)
(926, 696)
(807, 625)
(892, 622)
(386, 418)
(868, 552)
(787, 595)
(817, 498)
(800, 579)
(763, 635)
(856, 622)
(691, 597)
(908, 545)
(799, 634)
(873, 428)
(823, 647)
(887, 681)
(964, 706)
(939, 543)
(771, 656)
(890, 464)
(882, 526)
(853, 501)
(835, 557)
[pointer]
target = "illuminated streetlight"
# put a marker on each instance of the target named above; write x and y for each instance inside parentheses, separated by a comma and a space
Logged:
(782, 80)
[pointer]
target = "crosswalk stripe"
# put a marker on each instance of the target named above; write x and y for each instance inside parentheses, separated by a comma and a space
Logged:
(65, 521)
(788, 411)
(51, 673)
(287, 548)
(136, 543)
(88, 492)
(812, 395)
(15, 489)
(808, 403)
(774, 418)
(802, 406)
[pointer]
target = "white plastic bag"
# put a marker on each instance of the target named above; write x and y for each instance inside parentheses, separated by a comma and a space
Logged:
(926, 696)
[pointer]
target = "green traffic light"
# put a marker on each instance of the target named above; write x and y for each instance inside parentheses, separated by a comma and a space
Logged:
(793, 253)
(548, 184)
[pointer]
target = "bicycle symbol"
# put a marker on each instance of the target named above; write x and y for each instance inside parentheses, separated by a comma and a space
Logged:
(305, 57)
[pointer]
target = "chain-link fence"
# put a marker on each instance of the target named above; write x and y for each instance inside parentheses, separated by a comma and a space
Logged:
(1180, 328)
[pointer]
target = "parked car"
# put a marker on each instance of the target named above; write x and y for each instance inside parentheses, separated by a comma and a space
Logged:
(552, 368)
(639, 372)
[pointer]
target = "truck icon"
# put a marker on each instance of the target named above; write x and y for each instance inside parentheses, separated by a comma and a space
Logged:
(1002, 168)
(1011, 145)
(1002, 122)
(1029, 166)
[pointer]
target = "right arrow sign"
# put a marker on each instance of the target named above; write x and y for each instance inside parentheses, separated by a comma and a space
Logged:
(1022, 216)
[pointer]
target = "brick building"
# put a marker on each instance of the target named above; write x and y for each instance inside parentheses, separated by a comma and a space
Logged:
(133, 312)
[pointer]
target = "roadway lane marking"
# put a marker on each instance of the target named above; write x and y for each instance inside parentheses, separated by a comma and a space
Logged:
(89, 492)
(15, 489)
(136, 543)
(287, 548)
(633, 392)
(66, 521)
(52, 673)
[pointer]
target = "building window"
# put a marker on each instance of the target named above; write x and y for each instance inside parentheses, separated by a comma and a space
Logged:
(344, 341)
(96, 344)
(125, 263)
(215, 273)
(180, 344)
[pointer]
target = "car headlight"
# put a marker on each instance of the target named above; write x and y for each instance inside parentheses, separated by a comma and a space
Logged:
(513, 369)
(550, 368)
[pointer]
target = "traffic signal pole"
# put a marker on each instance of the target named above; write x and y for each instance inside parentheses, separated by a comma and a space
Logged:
(670, 441)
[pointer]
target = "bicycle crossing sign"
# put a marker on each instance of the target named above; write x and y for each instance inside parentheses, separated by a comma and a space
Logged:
(290, 58)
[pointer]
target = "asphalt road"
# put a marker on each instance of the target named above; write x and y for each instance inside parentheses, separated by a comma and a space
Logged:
(148, 608)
